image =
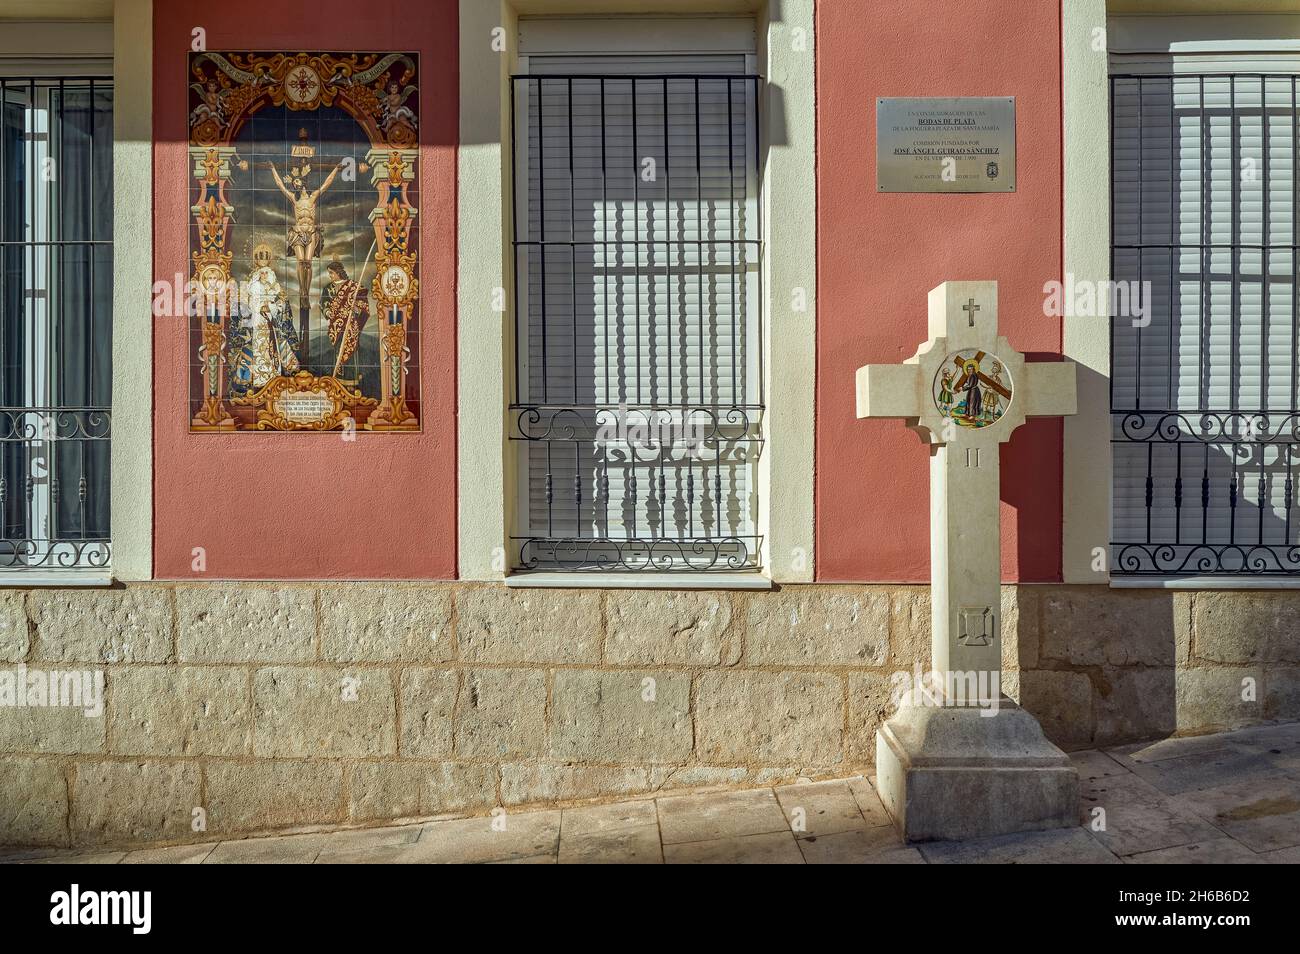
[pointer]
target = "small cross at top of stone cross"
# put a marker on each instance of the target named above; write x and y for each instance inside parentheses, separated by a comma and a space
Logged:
(970, 308)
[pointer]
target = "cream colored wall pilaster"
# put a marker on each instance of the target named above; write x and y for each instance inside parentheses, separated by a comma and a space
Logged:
(790, 285)
(132, 448)
(485, 278)
(1087, 453)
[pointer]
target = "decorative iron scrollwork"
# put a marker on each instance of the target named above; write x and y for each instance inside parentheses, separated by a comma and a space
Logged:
(1138, 559)
(633, 554)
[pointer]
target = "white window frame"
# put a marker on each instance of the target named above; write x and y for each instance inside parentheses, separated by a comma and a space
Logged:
(83, 43)
(80, 34)
(785, 55)
(543, 37)
(1265, 43)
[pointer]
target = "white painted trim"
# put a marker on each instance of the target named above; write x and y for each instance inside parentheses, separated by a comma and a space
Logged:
(39, 66)
(1086, 477)
(640, 581)
(483, 271)
(1203, 583)
(34, 40)
(26, 579)
(484, 264)
(57, 10)
(1192, 64)
(1228, 33)
(55, 48)
(678, 34)
(132, 448)
(788, 122)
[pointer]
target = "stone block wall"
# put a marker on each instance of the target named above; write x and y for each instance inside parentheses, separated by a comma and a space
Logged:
(250, 707)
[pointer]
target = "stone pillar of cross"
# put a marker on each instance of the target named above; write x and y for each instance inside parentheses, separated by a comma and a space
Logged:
(960, 761)
(965, 391)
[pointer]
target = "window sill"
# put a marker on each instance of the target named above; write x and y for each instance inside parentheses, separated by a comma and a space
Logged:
(29, 579)
(1245, 582)
(541, 579)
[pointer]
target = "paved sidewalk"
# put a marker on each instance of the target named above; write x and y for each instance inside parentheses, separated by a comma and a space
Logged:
(1228, 798)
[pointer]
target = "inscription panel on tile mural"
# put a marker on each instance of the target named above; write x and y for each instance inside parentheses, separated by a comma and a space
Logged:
(304, 304)
(953, 144)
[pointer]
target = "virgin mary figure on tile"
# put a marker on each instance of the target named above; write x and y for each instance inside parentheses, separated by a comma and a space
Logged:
(262, 339)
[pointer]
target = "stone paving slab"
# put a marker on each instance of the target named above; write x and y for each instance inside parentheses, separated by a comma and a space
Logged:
(611, 834)
(367, 838)
(1263, 814)
(820, 808)
(175, 855)
(102, 858)
(1064, 846)
(1093, 765)
(1220, 851)
(1283, 856)
(287, 850)
(521, 835)
(771, 848)
(873, 810)
(1128, 816)
(1232, 798)
(726, 815)
(1211, 769)
(871, 846)
(1146, 753)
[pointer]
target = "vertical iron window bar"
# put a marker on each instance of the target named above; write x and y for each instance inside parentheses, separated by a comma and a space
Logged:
(637, 397)
(56, 203)
(1203, 388)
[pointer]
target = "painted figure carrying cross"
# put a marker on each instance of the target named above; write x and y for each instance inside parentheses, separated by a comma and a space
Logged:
(965, 391)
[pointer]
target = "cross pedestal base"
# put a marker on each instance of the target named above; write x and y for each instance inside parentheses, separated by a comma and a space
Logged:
(947, 773)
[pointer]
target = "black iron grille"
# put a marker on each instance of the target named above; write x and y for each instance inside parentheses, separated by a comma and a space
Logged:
(56, 265)
(638, 403)
(1205, 417)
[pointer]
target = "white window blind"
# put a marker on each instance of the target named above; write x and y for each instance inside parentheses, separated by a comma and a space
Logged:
(638, 407)
(1204, 396)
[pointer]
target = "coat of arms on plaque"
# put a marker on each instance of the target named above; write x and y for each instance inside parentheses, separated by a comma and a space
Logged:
(304, 189)
(973, 388)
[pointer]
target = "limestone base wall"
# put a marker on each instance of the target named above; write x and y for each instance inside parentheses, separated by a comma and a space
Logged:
(234, 708)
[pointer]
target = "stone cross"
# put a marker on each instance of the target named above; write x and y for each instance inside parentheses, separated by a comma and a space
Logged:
(965, 391)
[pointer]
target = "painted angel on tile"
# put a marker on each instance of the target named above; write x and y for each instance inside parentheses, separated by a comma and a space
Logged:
(392, 108)
(212, 105)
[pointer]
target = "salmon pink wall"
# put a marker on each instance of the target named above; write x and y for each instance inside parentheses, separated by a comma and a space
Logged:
(309, 506)
(878, 256)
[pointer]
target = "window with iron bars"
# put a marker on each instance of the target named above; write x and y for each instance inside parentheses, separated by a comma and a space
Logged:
(56, 282)
(1204, 388)
(638, 402)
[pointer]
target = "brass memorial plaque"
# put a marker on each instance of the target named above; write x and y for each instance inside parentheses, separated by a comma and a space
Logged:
(951, 144)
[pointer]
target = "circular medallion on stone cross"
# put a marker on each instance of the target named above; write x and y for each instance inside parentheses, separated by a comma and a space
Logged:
(973, 388)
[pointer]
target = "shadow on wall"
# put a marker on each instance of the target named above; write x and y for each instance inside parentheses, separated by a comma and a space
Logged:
(1102, 667)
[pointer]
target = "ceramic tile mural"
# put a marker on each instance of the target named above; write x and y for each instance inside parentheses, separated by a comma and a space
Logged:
(304, 243)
